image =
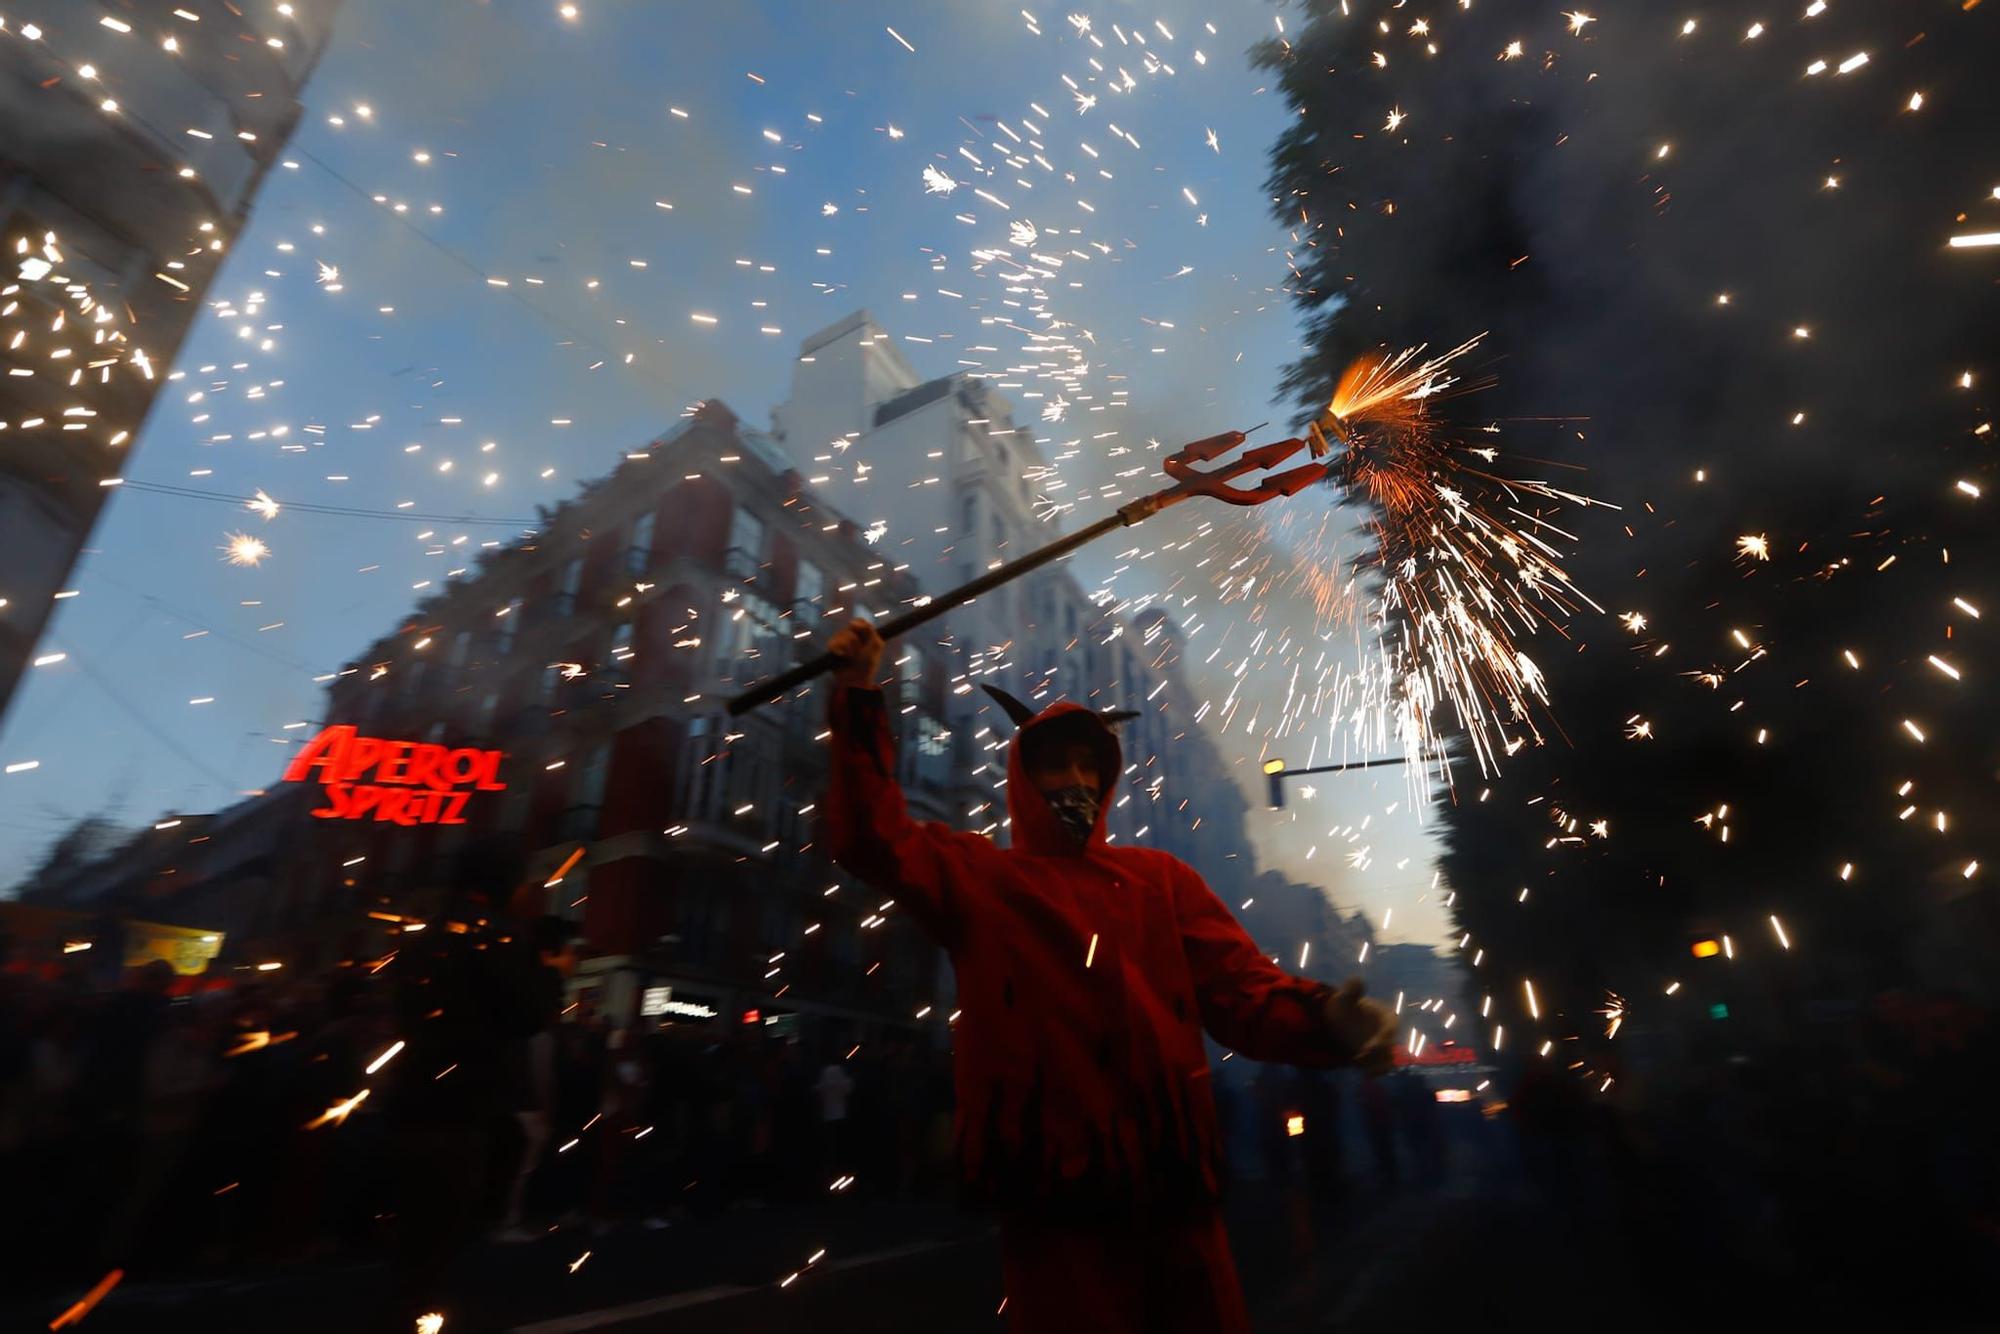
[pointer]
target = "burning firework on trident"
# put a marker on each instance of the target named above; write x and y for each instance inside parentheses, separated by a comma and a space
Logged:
(1188, 481)
(1464, 565)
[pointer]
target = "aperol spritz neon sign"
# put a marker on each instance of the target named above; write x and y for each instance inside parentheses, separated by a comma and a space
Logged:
(393, 782)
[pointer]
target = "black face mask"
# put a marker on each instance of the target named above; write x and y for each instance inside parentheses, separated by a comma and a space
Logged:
(1075, 808)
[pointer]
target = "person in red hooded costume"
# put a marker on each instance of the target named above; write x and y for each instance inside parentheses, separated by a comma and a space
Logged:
(1087, 975)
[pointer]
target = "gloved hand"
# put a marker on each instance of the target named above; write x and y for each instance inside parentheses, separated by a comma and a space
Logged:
(860, 649)
(1364, 1029)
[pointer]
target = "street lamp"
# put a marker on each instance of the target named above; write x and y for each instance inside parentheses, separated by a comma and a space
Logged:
(1276, 773)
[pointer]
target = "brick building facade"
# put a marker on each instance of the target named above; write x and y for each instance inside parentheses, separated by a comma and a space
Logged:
(598, 655)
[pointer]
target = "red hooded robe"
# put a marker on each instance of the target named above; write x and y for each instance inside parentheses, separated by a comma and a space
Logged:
(1086, 977)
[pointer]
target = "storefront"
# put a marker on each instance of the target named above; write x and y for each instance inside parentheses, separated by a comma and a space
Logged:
(41, 937)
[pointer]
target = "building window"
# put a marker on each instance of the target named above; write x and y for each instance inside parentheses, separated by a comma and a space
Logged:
(591, 779)
(487, 706)
(810, 589)
(748, 783)
(572, 583)
(639, 555)
(746, 543)
(749, 634)
(968, 525)
(621, 645)
(461, 648)
(704, 762)
(927, 763)
(510, 625)
(550, 675)
(586, 798)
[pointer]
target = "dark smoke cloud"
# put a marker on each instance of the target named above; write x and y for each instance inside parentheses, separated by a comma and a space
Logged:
(1529, 198)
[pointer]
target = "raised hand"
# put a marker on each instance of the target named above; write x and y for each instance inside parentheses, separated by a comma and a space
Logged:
(859, 648)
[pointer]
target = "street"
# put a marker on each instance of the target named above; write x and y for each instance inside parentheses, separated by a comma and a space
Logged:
(1385, 1259)
(1440, 1225)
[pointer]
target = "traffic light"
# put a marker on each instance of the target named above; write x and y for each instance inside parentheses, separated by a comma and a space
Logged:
(1274, 771)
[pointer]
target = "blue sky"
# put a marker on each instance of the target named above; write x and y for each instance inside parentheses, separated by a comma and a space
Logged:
(552, 144)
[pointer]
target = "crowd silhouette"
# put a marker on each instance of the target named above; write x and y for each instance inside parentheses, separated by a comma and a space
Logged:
(171, 1126)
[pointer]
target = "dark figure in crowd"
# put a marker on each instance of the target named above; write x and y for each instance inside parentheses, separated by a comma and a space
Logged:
(1417, 1117)
(531, 1074)
(831, 1090)
(1549, 1117)
(1317, 1095)
(1087, 975)
(468, 998)
(1380, 1124)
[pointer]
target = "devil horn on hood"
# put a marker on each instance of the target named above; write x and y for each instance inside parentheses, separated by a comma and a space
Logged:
(1016, 710)
(1113, 717)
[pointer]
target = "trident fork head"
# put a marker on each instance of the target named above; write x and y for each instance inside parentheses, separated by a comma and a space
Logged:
(1216, 482)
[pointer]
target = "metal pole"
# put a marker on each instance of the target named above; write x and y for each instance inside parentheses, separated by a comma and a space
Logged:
(1336, 768)
(1278, 776)
(772, 687)
(1188, 481)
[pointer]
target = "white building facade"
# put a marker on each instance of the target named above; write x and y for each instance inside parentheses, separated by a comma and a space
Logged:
(143, 172)
(949, 484)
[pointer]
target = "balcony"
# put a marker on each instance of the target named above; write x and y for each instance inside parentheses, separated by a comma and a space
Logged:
(595, 695)
(745, 567)
(733, 836)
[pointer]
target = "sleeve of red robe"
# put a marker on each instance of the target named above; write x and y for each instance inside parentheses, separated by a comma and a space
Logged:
(926, 865)
(1248, 1003)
